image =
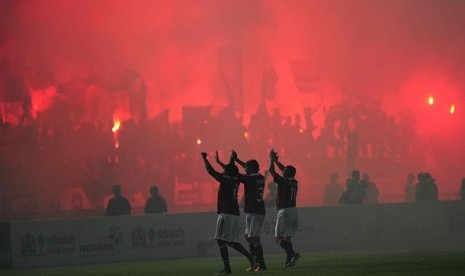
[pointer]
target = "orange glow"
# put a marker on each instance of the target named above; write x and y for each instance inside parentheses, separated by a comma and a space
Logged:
(246, 135)
(431, 100)
(452, 109)
(116, 126)
(198, 141)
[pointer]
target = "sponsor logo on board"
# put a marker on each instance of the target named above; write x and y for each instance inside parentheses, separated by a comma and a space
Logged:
(57, 243)
(162, 237)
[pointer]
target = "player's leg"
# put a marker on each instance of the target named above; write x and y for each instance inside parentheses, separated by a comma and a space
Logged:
(281, 241)
(239, 248)
(220, 233)
(259, 253)
(232, 231)
(283, 231)
(294, 256)
(225, 257)
(254, 234)
(248, 229)
(288, 229)
(278, 232)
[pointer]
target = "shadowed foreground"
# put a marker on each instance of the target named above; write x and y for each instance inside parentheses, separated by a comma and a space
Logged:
(375, 263)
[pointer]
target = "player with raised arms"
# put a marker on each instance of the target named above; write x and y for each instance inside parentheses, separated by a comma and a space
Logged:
(254, 207)
(287, 218)
(228, 222)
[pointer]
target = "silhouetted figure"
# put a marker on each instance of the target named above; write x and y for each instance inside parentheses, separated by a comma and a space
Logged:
(426, 188)
(270, 199)
(409, 190)
(347, 195)
(432, 188)
(155, 204)
(227, 224)
(118, 205)
(333, 190)
(287, 218)
(372, 190)
(356, 190)
(420, 187)
(462, 190)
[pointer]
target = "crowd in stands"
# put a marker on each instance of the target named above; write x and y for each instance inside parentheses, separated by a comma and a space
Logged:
(64, 147)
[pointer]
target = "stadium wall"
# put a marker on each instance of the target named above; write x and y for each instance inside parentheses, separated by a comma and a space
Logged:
(418, 226)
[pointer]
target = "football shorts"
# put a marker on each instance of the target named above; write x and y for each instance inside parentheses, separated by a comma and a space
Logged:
(253, 224)
(286, 222)
(227, 228)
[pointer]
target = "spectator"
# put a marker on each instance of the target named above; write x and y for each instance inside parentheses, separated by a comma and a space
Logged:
(409, 191)
(431, 188)
(426, 188)
(462, 190)
(156, 204)
(118, 205)
(360, 194)
(333, 190)
(347, 195)
(356, 191)
(270, 199)
(371, 189)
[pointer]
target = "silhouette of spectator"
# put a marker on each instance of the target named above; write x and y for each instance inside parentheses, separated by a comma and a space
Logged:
(270, 199)
(347, 195)
(372, 190)
(420, 187)
(426, 188)
(360, 194)
(462, 190)
(431, 188)
(333, 190)
(155, 204)
(356, 191)
(409, 190)
(118, 205)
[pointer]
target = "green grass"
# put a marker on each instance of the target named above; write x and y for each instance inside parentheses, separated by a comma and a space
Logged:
(376, 263)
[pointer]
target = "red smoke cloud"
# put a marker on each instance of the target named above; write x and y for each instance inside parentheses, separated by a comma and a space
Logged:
(384, 53)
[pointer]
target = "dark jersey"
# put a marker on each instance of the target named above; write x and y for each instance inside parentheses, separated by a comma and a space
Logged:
(118, 206)
(287, 191)
(254, 187)
(155, 205)
(227, 193)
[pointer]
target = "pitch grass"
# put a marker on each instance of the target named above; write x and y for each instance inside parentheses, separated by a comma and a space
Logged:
(376, 263)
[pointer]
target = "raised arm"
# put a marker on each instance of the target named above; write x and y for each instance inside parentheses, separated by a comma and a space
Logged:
(279, 164)
(273, 157)
(211, 171)
(235, 158)
(217, 158)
